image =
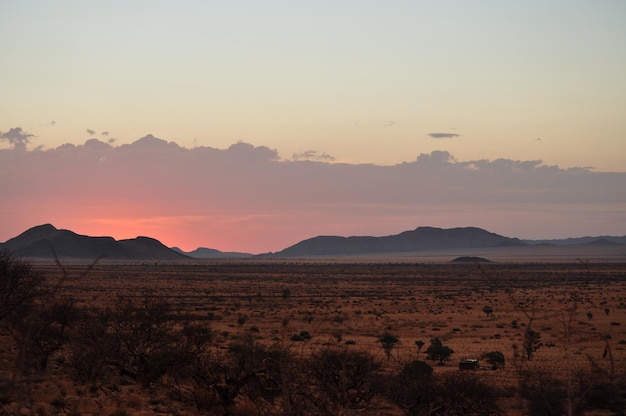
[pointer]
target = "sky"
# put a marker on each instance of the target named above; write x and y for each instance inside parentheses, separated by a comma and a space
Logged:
(253, 125)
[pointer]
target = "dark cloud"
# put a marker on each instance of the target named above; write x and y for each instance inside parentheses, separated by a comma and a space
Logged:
(313, 155)
(17, 137)
(443, 135)
(90, 132)
(104, 133)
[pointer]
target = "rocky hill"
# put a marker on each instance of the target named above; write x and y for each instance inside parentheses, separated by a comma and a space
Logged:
(46, 241)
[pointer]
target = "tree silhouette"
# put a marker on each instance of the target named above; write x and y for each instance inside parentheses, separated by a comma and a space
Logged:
(438, 351)
(387, 342)
(532, 342)
(419, 343)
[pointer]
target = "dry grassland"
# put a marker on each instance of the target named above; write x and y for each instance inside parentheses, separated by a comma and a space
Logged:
(579, 310)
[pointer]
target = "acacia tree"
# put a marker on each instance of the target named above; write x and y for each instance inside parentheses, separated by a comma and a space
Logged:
(438, 351)
(387, 342)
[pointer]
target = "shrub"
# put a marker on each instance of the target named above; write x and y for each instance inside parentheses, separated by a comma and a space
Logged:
(20, 286)
(412, 389)
(495, 358)
(346, 377)
(545, 393)
(92, 346)
(464, 393)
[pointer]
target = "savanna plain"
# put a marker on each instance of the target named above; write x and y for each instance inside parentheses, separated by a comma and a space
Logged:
(274, 337)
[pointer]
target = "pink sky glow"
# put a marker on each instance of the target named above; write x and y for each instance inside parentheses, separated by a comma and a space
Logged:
(245, 198)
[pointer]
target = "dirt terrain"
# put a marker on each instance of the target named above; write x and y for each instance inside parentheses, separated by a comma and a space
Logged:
(577, 308)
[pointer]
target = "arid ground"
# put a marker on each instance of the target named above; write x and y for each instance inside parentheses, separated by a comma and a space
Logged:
(575, 311)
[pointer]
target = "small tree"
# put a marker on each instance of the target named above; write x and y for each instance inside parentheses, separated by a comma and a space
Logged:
(438, 351)
(532, 342)
(419, 343)
(488, 310)
(387, 342)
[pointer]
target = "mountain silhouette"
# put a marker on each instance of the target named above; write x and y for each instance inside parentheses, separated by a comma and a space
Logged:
(211, 253)
(46, 241)
(420, 239)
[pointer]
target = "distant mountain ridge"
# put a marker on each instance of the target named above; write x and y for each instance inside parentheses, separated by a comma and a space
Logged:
(420, 239)
(211, 253)
(580, 240)
(46, 241)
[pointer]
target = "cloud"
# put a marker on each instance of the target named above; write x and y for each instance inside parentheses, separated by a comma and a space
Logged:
(313, 155)
(52, 123)
(17, 137)
(90, 132)
(104, 133)
(245, 198)
(443, 135)
(249, 153)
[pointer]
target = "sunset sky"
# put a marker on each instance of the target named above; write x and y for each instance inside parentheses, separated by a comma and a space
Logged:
(267, 122)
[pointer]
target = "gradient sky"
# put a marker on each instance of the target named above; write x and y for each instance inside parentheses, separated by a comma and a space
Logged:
(346, 84)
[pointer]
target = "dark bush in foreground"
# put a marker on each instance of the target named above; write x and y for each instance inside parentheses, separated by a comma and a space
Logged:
(412, 389)
(464, 393)
(346, 377)
(20, 286)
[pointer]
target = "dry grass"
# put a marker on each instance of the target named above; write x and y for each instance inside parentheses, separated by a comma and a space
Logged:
(579, 309)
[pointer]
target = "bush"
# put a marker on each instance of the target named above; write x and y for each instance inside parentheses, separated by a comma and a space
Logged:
(545, 393)
(347, 377)
(40, 332)
(20, 286)
(92, 346)
(495, 358)
(412, 389)
(464, 393)
(145, 338)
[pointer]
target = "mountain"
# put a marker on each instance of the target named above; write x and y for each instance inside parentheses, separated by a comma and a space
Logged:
(46, 241)
(602, 242)
(211, 253)
(578, 241)
(420, 239)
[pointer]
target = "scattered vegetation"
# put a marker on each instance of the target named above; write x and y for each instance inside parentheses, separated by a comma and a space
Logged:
(239, 339)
